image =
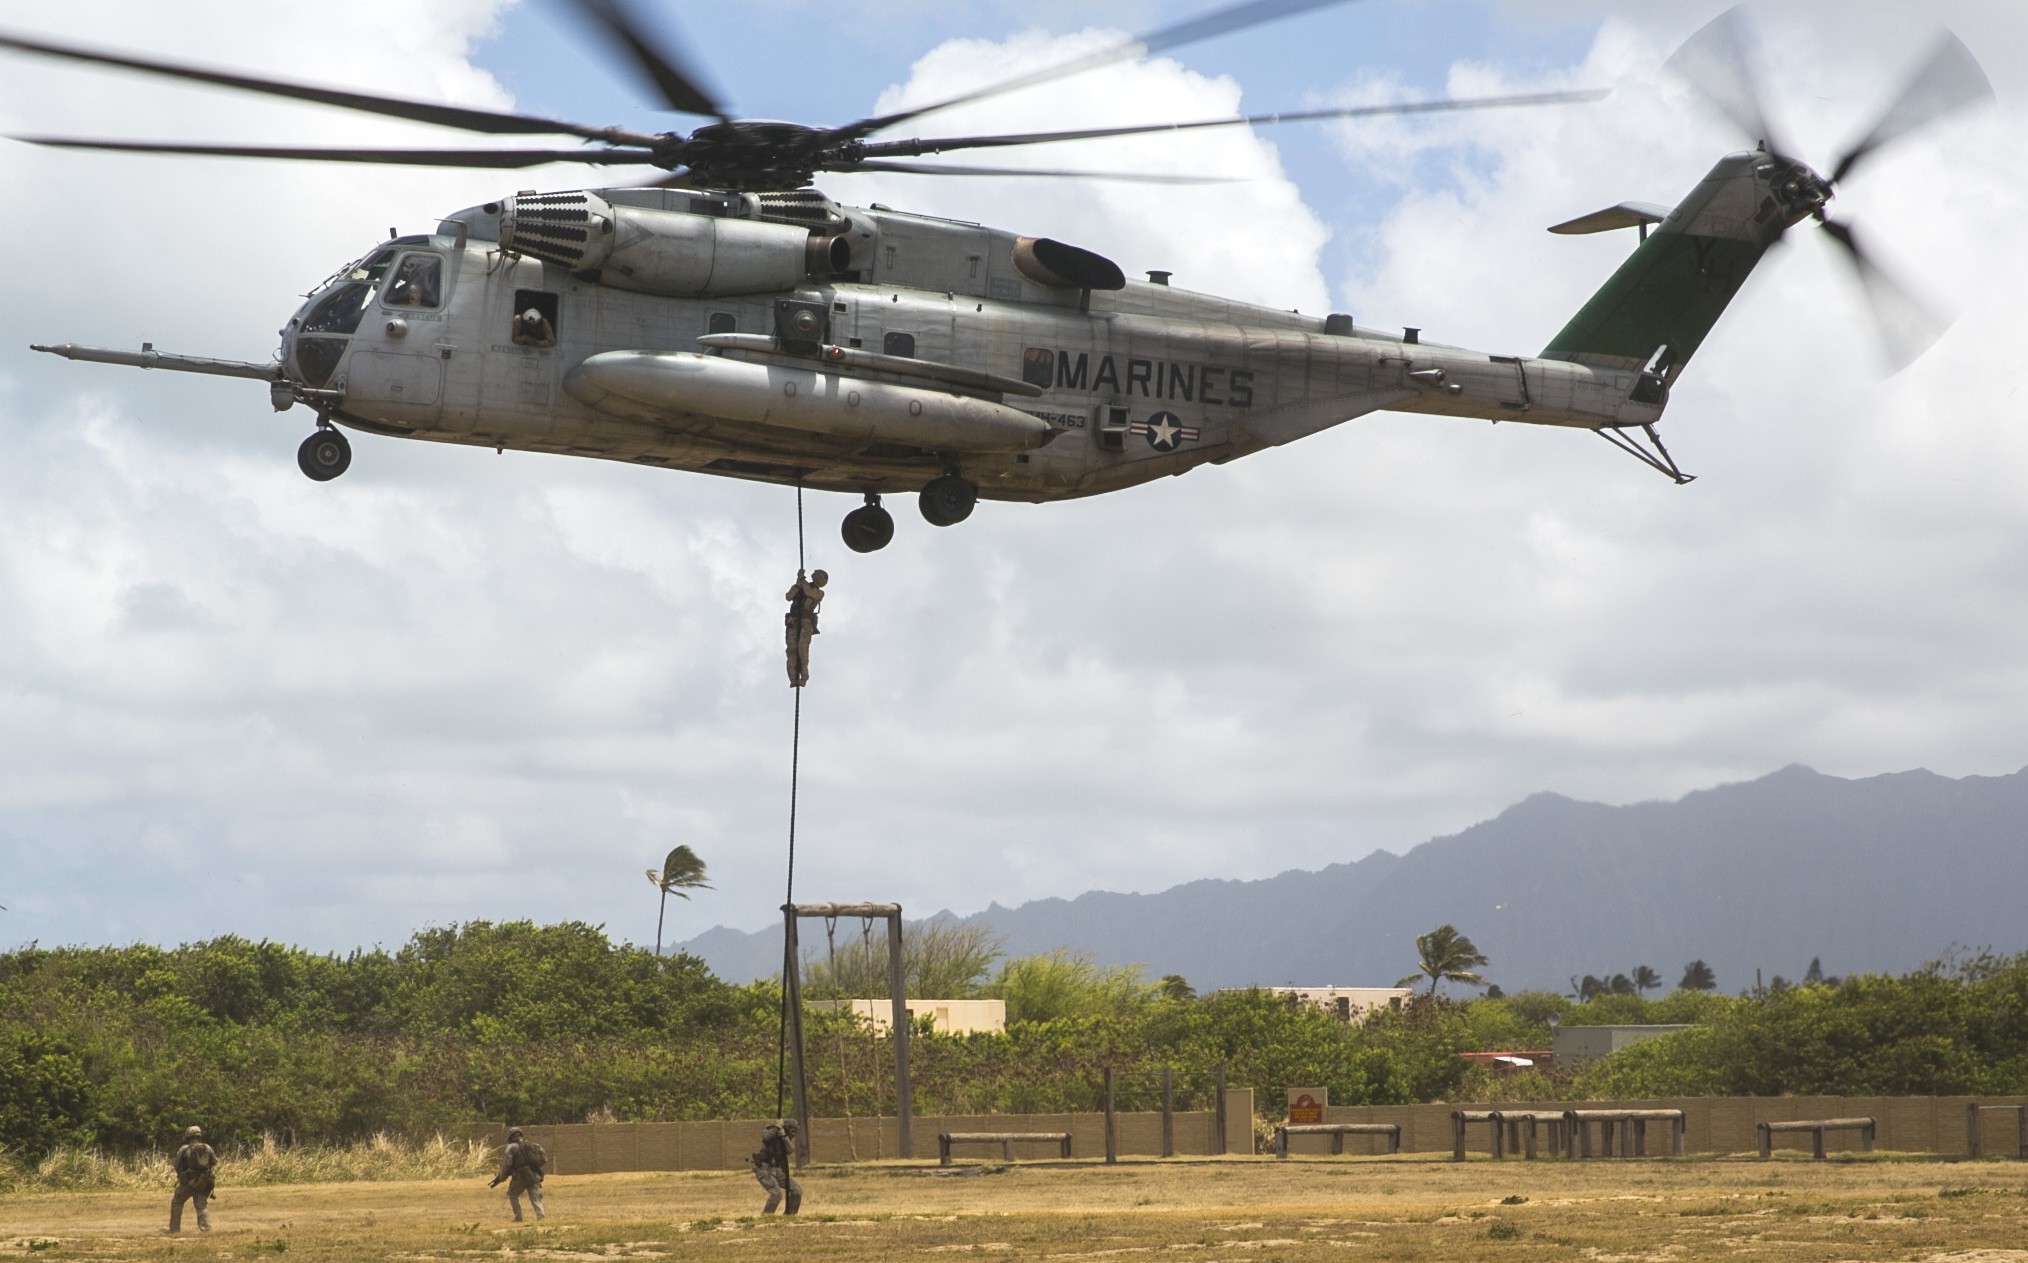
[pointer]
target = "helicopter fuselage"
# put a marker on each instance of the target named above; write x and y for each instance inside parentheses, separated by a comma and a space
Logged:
(926, 347)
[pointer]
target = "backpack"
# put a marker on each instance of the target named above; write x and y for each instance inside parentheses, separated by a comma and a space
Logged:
(533, 1157)
(201, 1176)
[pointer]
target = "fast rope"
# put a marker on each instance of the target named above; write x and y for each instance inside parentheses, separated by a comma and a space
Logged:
(789, 895)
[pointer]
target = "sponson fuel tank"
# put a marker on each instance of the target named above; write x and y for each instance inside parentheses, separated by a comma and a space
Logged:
(805, 400)
(663, 251)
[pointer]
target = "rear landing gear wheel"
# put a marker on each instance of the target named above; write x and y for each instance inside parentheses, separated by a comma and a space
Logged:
(948, 500)
(324, 455)
(868, 528)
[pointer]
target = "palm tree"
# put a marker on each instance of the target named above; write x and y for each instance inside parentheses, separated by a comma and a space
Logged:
(1697, 976)
(682, 871)
(1646, 979)
(1446, 956)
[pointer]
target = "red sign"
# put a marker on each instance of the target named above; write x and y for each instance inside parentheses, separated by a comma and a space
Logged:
(1306, 1109)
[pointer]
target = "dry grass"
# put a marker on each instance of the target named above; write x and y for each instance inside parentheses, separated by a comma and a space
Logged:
(383, 1157)
(1413, 1210)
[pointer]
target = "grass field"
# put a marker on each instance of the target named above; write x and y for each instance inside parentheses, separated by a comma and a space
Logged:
(1259, 1211)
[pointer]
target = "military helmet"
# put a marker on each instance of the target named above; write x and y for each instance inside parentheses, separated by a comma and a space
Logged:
(791, 1126)
(193, 1133)
(513, 1133)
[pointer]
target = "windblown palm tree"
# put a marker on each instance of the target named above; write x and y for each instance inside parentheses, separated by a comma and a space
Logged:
(681, 872)
(1697, 976)
(1646, 979)
(1446, 956)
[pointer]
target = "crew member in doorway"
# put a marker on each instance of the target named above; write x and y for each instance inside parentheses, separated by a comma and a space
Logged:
(771, 1164)
(801, 623)
(532, 328)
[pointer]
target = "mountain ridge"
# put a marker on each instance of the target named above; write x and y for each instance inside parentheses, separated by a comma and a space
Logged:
(1875, 874)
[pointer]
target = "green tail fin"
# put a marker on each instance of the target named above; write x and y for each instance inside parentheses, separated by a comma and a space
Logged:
(1658, 308)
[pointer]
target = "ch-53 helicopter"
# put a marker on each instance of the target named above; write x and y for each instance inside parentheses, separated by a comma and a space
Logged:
(731, 319)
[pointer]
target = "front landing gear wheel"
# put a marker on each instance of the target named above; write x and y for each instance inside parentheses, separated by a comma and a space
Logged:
(324, 455)
(948, 500)
(869, 528)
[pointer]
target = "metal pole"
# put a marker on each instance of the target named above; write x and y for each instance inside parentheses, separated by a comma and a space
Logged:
(792, 999)
(1112, 1146)
(904, 1117)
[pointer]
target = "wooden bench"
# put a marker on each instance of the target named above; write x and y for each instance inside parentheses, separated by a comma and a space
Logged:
(1972, 1112)
(1005, 1139)
(1515, 1129)
(1629, 1128)
(1337, 1132)
(1816, 1127)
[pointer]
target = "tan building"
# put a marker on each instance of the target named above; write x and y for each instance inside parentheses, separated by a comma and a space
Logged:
(1350, 1004)
(1575, 1044)
(948, 1017)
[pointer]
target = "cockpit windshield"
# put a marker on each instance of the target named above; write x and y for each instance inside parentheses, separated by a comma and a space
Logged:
(343, 303)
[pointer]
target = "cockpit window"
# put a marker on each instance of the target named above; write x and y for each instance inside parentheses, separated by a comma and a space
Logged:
(371, 268)
(417, 283)
(339, 310)
(345, 297)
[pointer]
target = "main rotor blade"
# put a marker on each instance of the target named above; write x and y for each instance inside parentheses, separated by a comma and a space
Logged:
(1949, 81)
(1130, 177)
(912, 148)
(1716, 63)
(1237, 17)
(490, 122)
(1907, 326)
(494, 158)
(678, 88)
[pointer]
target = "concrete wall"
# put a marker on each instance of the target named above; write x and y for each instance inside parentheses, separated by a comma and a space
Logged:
(583, 1148)
(1713, 1125)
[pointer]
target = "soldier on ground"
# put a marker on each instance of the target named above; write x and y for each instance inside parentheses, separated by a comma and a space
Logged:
(522, 1165)
(771, 1164)
(801, 623)
(195, 1165)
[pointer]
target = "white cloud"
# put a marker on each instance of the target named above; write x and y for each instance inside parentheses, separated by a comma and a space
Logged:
(455, 685)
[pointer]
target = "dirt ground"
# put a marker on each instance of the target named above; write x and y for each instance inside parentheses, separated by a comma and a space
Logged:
(1260, 1211)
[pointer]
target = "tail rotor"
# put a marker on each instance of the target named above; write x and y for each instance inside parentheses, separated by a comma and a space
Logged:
(1717, 63)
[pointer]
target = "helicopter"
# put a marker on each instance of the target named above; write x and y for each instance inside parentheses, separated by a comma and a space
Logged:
(729, 318)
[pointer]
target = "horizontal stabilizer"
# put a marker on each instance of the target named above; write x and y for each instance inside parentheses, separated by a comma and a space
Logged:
(1625, 215)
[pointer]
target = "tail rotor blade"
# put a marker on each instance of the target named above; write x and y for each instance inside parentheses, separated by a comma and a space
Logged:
(1907, 326)
(1949, 81)
(1715, 62)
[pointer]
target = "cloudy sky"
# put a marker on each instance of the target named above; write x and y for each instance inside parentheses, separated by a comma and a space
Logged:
(455, 685)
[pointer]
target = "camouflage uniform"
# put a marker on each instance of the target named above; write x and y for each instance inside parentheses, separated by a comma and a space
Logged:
(800, 623)
(771, 1168)
(522, 1175)
(194, 1164)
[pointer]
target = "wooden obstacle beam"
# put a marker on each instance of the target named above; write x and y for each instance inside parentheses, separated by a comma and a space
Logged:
(1817, 1127)
(1461, 1119)
(1972, 1112)
(1515, 1129)
(1337, 1132)
(1623, 1130)
(1005, 1139)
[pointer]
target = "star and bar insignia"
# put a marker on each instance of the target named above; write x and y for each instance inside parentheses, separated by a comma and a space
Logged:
(1165, 431)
